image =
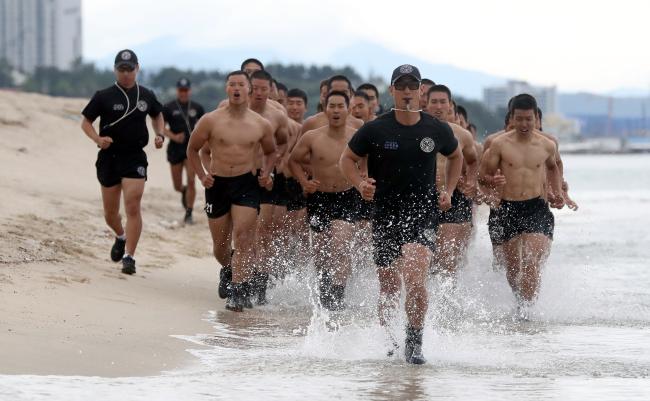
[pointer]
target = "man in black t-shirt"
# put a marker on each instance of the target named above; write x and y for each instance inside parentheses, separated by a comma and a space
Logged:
(181, 115)
(401, 148)
(121, 164)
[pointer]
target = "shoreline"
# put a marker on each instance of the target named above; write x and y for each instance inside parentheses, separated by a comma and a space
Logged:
(65, 307)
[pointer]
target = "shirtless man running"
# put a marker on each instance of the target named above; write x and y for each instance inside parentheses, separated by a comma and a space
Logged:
(455, 224)
(234, 133)
(338, 83)
(519, 161)
(332, 201)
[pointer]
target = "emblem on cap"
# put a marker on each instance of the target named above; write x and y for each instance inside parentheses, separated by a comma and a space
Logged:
(406, 69)
(427, 145)
(184, 82)
(125, 55)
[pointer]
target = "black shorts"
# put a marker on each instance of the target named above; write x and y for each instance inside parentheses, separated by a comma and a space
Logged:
(366, 208)
(242, 190)
(460, 211)
(323, 207)
(529, 216)
(394, 226)
(278, 194)
(112, 167)
(495, 228)
(176, 152)
(296, 199)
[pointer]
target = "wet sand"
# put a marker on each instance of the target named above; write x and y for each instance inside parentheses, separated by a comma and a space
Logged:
(65, 308)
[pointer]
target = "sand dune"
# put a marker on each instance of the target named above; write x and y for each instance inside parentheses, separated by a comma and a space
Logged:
(65, 308)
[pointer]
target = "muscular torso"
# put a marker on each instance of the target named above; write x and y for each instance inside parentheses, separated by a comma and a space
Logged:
(234, 142)
(320, 120)
(325, 152)
(466, 145)
(274, 117)
(523, 164)
(294, 129)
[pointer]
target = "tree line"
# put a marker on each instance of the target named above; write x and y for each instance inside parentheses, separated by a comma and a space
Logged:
(83, 79)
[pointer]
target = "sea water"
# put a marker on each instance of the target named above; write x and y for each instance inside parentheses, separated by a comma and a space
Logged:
(588, 336)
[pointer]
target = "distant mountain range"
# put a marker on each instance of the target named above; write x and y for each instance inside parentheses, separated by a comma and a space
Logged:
(370, 58)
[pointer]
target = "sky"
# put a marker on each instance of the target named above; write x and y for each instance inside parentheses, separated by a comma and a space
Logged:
(578, 45)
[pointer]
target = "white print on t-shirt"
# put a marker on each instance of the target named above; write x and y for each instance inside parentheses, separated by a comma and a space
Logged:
(427, 145)
(142, 105)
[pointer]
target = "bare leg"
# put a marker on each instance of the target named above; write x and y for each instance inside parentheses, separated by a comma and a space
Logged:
(512, 259)
(264, 239)
(340, 250)
(535, 251)
(132, 189)
(243, 233)
(389, 286)
(416, 260)
(220, 229)
(190, 195)
(111, 201)
(177, 176)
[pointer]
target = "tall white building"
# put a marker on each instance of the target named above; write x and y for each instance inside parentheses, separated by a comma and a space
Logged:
(497, 97)
(40, 33)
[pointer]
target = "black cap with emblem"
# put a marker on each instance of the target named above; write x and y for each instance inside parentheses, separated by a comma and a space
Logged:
(404, 70)
(126, 57)
(183, 83)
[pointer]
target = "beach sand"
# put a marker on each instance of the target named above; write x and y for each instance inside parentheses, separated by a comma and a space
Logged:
(65, 308)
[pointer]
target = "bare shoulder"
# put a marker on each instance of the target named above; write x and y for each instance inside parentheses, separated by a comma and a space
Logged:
(462, 133)
(222, 103)
(549, 136)
(258, 119)
(356, 123)
(548, 142)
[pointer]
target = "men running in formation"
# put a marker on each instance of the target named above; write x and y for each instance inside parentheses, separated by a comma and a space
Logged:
(281, 188)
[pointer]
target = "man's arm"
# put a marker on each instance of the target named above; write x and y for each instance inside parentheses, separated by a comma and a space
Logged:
(270, 153)
(300, 153)
(199, 137)
(453, 170)
(554, 177)
(103, 142)
(158, 123)
(349, 166)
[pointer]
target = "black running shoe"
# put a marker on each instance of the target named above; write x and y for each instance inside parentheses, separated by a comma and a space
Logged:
(261, 283)
(235, 302)
(413, 347)
(246, 295)
(225, 277)
(188, 217)
(117, 251)
(128, 265)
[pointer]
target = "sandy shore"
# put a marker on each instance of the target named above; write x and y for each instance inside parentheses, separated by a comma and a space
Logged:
(65, 308)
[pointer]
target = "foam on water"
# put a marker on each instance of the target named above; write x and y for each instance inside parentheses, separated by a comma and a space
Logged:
(587, 337)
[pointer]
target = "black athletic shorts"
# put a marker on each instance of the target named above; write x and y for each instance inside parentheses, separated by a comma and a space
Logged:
(176, 152)
(529, 216)
(112, 167)
(396, 225)
(495, 228)
(296, 198)
(366, 208)
(242, 190)
(323, 207)
(459, 212)
(278, 194)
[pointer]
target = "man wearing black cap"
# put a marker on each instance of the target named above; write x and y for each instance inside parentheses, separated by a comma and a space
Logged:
(121, 163)
(401, 147)
(181, 116)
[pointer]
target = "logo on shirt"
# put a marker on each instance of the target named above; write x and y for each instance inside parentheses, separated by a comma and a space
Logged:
(391, 145)
(192, 113)
(176, 112)
(427, 145)
(142, 105)
(118, 107)
(142, 171)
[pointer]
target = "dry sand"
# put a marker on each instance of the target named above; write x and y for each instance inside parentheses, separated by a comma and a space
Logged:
(65, 308)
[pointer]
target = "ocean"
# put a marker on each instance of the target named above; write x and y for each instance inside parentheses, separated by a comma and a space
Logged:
(588, 336)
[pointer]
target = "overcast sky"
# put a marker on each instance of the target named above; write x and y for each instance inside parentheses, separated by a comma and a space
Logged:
(576, 44)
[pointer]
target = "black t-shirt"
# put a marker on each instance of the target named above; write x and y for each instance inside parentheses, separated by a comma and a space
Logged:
(182, 117)
(130, 133)
(402, 158)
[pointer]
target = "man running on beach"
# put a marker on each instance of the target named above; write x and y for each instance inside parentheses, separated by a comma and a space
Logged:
(401, 147)
(234, 134)
(373, 98)
(360, 106)
(338, 83)
(332, 203)
(181, 115)
(121, 161)
(518, 162)
(455, 224)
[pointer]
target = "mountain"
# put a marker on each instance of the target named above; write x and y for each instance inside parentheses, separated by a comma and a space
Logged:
(365, 57)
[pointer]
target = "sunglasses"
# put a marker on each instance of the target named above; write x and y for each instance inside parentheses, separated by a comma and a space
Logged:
(123, 68)
(401, 85)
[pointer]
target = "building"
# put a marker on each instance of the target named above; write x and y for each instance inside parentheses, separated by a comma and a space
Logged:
(40, 33)
(497, 97)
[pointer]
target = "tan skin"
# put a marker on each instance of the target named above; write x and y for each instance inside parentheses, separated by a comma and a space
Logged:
(131, 189)
(296, 109)
(414, 263)
(183, 96)
(373, 100)
(519, 161)
(234, 133)
(322, 148)
(320, 119)
(360, 108)
(452, 239)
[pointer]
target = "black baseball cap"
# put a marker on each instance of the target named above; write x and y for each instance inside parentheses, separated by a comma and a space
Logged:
(183, 83)
(404, 70)
(126, 57)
